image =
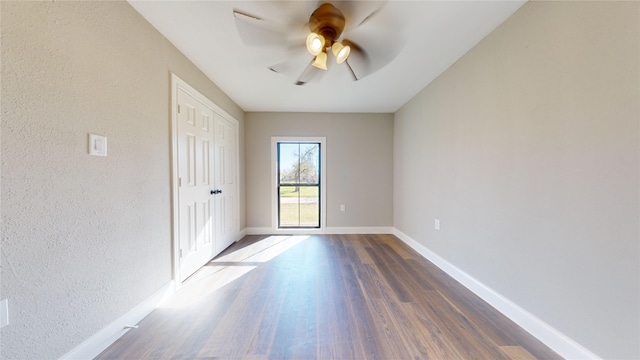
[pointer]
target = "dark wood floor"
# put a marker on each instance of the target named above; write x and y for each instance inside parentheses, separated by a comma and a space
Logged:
(324, 297)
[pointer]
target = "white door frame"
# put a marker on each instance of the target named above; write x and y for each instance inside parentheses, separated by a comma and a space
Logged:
(274, 181)
(176, 84)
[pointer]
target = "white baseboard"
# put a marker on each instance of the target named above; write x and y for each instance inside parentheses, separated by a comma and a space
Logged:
(554, 339)
(241, 234)
(101, 340)
(328, 230)
(359, 230)
(258, 231)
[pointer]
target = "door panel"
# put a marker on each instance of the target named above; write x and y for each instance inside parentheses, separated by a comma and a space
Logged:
(227, 221)
(195, 136)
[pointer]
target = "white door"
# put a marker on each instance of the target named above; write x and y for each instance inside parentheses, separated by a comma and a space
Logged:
(226, 183)
(196, 144)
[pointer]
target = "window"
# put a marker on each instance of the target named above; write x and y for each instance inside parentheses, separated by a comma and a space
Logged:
(299, 183)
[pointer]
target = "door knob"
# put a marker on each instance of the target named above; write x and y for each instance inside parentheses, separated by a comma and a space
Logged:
(216, 191)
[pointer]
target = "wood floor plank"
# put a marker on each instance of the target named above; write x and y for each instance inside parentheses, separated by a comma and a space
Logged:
(467, 339)
(389, 272)
(412, 275)
(517, 353)
(324, 297)
(236, 326)
(380, 283)
(414, 344)
(260, 343)
(399, 248)
(367, 343)
(391, 340)
(368, 286)
(363, 255)
(434, 338)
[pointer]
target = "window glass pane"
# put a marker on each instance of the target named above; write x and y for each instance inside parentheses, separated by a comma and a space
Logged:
(309, 206)
(288, 160)
(309, 167)
(289, 206)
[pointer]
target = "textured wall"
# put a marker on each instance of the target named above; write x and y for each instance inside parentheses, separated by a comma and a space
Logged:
(84, 238)
(359, 163)
(527, 151)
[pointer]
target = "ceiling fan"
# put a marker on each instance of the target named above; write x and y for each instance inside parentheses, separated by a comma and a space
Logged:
(363, 50)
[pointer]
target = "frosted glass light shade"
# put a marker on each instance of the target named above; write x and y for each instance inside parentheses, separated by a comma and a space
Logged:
(320, 61)
(340, 51)
(315, 43)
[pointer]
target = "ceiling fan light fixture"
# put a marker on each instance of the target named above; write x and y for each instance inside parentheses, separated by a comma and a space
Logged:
(315, 43)
(320, 61)
(340, 51)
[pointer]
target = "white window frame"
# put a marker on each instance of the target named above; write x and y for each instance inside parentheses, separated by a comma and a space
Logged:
(274, 183)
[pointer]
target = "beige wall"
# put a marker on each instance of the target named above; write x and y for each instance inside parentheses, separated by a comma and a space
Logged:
(84, 238)
(359, 163)
(527, 151)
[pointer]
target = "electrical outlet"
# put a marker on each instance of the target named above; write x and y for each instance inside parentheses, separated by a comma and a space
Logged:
(343, 208)
(436, 224)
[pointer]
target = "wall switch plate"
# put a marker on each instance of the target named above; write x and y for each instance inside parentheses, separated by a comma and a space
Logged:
(342, 208)
(97, 145)
(436, 224)
(4, 313)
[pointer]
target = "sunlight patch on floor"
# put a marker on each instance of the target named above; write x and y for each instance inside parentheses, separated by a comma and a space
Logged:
(263, 250)
(226, 269)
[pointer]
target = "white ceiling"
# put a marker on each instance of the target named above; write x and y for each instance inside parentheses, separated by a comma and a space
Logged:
(428, 37)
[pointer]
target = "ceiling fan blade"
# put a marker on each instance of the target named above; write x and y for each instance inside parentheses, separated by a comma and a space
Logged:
(287, 68)
(374, 49)
(353, 72)
(256, 31)
(358, 62)
(297, 60)
(309, 74)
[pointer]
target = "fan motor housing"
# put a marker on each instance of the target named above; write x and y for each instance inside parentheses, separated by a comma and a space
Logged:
(328, 21)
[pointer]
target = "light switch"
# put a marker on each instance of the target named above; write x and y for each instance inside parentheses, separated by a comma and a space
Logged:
(436, 224)
(342, 208)
(97, 145)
